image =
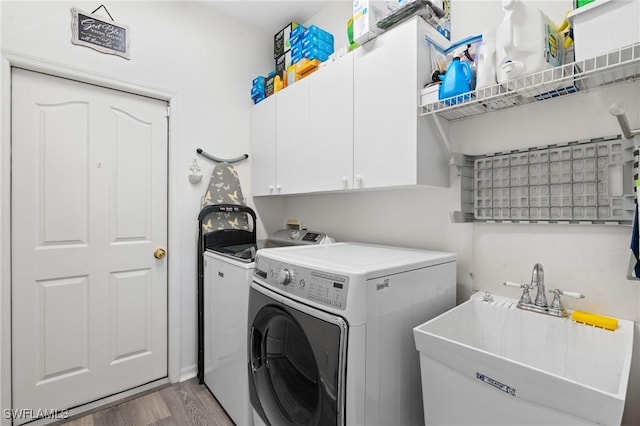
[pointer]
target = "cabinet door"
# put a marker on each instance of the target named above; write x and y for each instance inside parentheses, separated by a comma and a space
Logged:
(330, 149)
(263, 147)
(385, 109)
(292, 118)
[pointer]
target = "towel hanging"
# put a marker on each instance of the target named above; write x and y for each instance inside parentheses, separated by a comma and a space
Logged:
(633, 272)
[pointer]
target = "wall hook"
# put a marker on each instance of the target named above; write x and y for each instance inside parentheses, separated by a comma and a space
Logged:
(195, 175)
(221, 160)
(619, 111)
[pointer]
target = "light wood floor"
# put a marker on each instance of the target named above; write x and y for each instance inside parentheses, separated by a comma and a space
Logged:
(187, 403)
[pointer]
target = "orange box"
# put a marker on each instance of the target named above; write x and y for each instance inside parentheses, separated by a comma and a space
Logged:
(306, 67)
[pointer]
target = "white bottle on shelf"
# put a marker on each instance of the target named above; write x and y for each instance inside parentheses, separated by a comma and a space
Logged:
(486, 71)
(526, 42)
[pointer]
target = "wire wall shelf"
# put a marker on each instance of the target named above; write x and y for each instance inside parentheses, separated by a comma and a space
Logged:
(617, 66)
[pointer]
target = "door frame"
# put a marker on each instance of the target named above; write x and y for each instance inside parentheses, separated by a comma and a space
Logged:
(9, 60)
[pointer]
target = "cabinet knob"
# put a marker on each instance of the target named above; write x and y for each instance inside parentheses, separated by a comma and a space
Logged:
(271, 188)
(344, 180)
(279, 187)
(359, 180)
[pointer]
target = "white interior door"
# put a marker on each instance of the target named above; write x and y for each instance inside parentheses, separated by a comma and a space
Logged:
(89, 207)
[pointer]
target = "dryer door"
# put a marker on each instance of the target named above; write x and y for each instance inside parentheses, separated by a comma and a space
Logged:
(296, 362)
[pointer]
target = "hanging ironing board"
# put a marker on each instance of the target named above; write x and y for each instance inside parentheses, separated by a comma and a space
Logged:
(224, 188)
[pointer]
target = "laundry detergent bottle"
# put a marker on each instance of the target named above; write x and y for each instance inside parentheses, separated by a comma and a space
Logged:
(457, 80)
(526, 42)
(486, 72)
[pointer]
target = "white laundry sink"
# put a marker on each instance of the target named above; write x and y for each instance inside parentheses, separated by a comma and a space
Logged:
(492, 363)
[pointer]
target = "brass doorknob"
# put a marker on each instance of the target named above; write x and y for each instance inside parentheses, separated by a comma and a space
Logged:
(159, 253)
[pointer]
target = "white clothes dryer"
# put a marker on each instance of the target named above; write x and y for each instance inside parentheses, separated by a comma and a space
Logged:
(330, 332)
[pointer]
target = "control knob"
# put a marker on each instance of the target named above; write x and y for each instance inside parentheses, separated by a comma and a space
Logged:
(283, 277)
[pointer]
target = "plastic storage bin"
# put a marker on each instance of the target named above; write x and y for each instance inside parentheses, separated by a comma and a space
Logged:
(604, 25)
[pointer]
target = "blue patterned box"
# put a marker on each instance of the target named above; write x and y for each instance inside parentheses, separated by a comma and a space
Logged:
(313, 41)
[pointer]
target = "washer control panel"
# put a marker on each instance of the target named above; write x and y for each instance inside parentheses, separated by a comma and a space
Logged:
(317, 286)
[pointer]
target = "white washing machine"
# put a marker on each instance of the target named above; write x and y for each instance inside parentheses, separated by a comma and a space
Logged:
(227, 273)
(226, 292)
(330, 332)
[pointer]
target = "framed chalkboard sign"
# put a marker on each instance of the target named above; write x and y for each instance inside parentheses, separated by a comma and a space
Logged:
(104, 36)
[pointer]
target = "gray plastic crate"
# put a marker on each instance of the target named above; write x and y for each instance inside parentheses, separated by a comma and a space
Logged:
(578, 182)
(482, 200)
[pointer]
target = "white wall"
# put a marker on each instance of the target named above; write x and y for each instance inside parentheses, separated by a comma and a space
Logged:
(410, 217)
(472, 17)
(591, 259)
(333, 18)
(209, 60)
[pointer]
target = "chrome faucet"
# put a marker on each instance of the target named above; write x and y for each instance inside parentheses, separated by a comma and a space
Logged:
(541, 305)
(537, 280)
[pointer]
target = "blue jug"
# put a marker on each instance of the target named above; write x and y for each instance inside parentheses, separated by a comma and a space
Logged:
(456, 80)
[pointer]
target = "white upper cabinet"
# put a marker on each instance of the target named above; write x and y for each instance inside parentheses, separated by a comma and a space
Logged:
(263, 147)
(330, 154)
(314, 120)
(393, 146)
(352, 124)
(292, 129)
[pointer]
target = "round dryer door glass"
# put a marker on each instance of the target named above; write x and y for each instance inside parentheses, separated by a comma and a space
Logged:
(289, 373)
(292, 368)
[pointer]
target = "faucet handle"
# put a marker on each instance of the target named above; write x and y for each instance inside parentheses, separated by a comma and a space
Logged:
(574, 294)
(525, 298)
(512, 284)
(556, 307)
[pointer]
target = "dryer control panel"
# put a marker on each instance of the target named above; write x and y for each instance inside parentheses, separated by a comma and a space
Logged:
(321, 287)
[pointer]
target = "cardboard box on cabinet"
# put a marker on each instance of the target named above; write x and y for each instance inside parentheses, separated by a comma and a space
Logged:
(282, 39)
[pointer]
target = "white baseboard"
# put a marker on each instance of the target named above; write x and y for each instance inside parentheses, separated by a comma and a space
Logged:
(188, 372)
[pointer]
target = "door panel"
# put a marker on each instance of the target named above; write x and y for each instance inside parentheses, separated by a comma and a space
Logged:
(132, 141)
(89, 206)
(130, 327)
(64, 199)
(64, 317)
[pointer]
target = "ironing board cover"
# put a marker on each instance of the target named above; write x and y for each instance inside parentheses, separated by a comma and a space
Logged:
(224, 188)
